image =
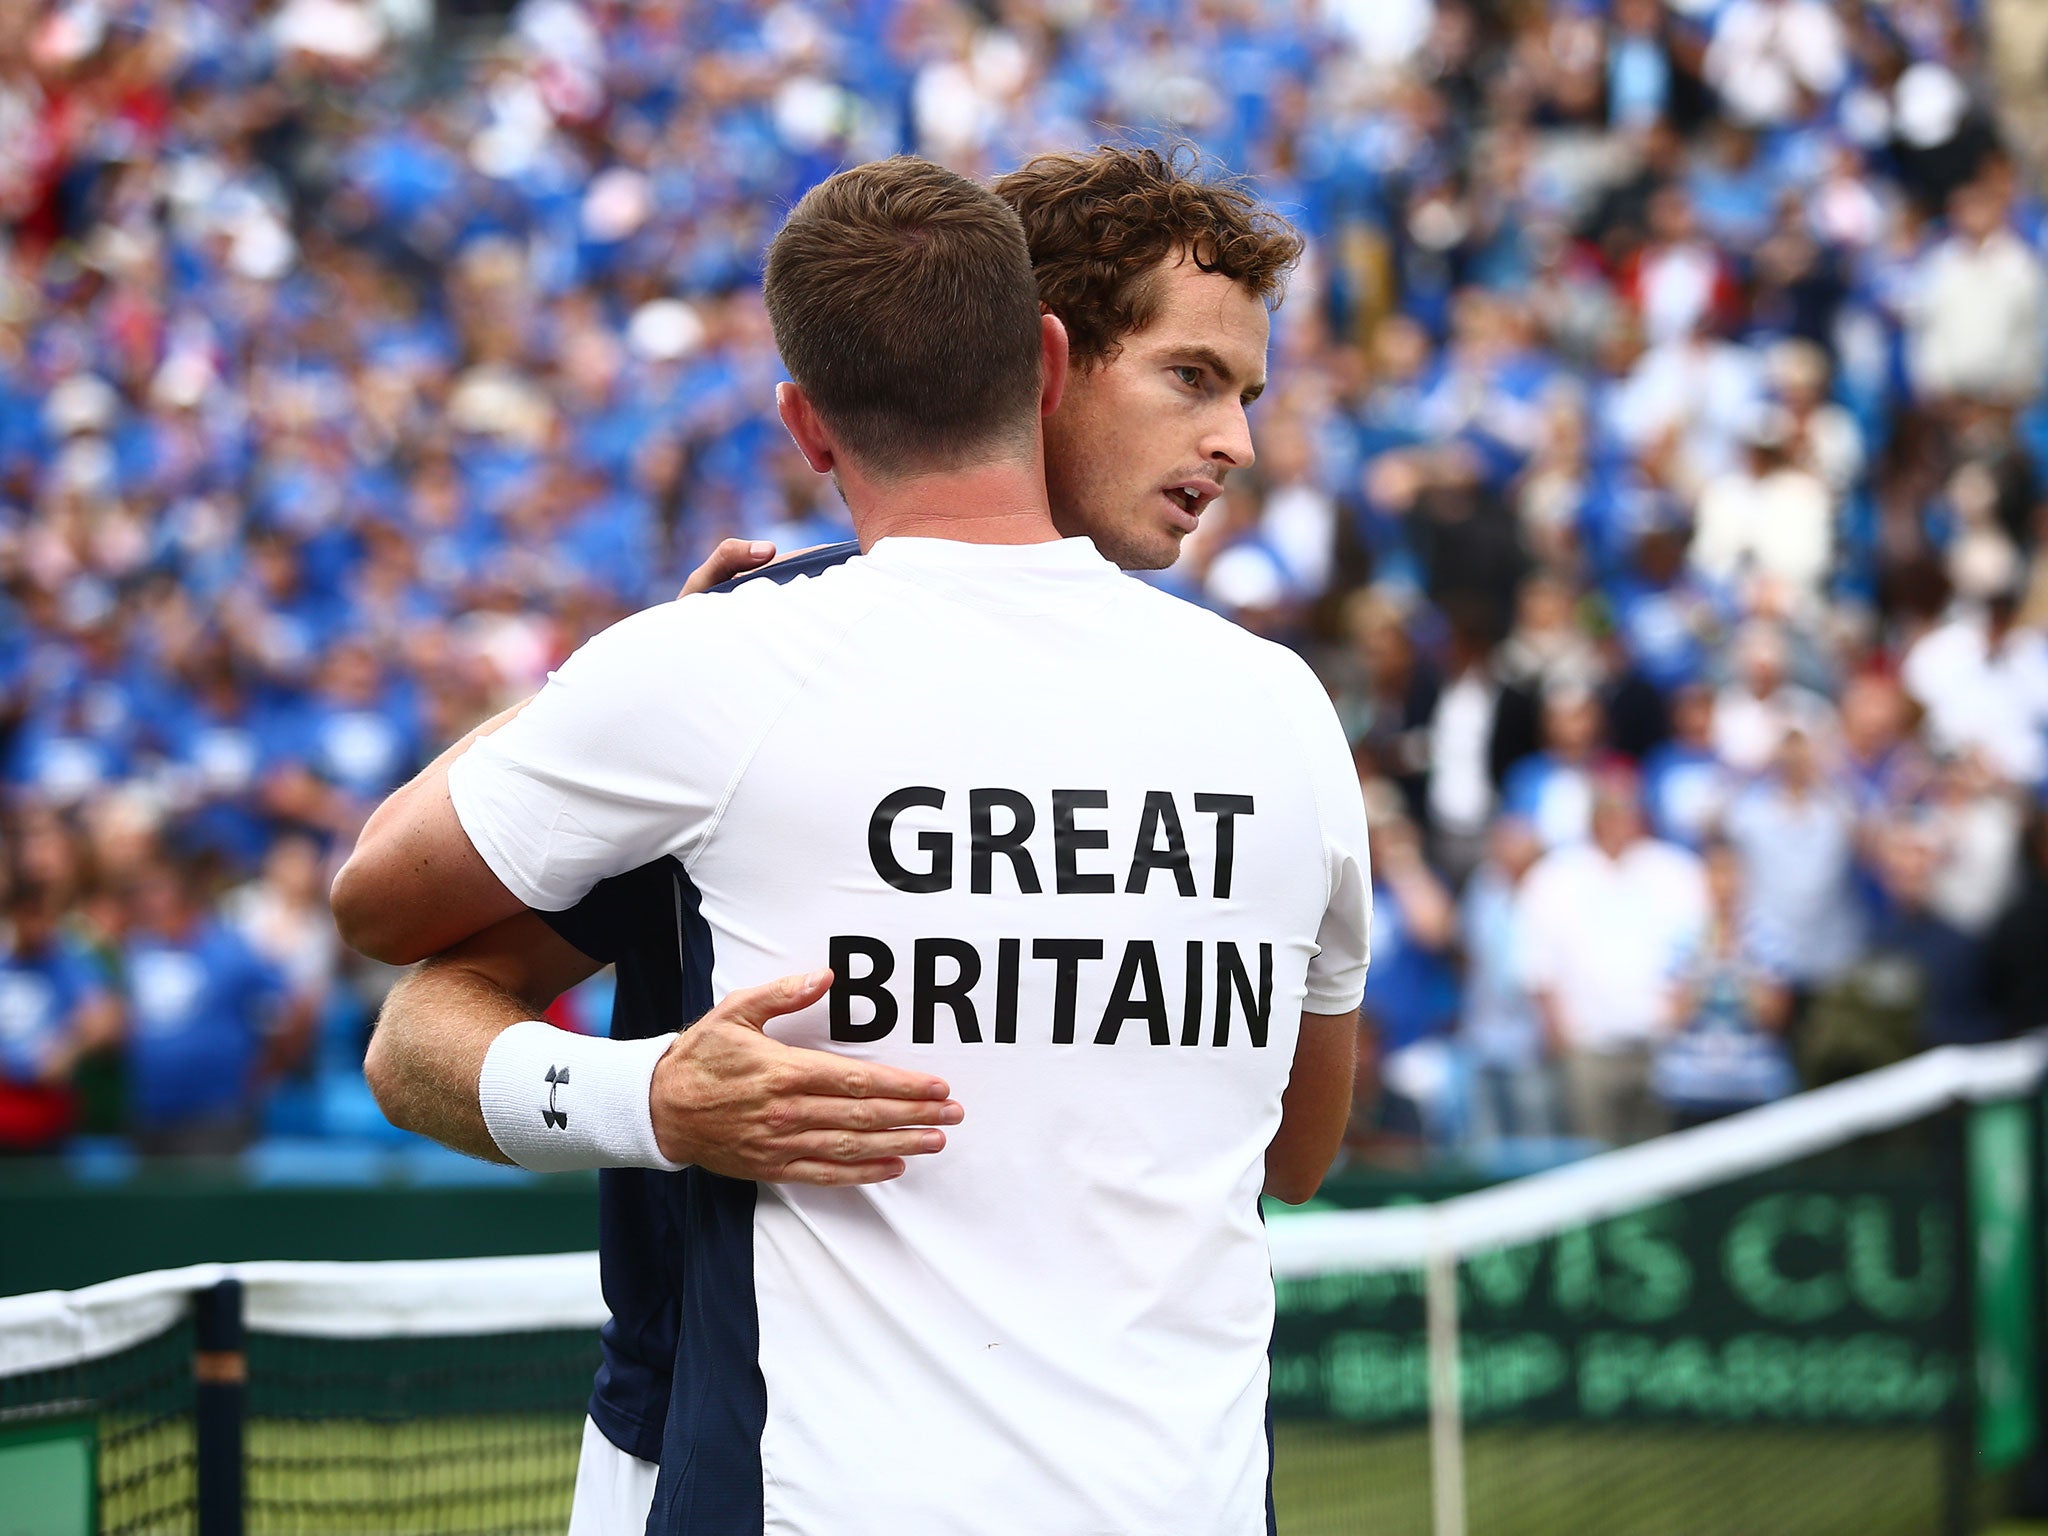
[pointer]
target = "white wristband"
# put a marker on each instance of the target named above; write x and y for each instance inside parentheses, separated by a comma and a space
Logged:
(555, 1101)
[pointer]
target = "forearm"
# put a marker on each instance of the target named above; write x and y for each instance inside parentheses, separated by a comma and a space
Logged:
(427, 1053)
(1315, 1107)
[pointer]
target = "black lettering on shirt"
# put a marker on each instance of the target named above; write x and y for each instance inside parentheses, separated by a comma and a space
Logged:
(1191, 1007)
(939, 877)
(1160, 814)
(1009, 953)
(1232, 979)
(985, 842)
(846, 987)
(1068, 954)
(928, 993)
(1226, 809)
(1068, 840)
(1126, 1001)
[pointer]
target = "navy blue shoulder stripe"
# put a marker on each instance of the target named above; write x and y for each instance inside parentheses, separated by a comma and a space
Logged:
(710, 1482)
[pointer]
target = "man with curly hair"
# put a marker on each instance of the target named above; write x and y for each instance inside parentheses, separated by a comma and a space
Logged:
(1163, 279)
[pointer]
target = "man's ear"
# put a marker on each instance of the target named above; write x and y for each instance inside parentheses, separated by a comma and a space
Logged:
(1052, 363)
(800, 417)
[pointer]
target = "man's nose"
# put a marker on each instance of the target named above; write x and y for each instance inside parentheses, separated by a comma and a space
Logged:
(1229, 439)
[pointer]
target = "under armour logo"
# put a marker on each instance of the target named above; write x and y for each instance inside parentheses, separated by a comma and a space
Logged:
(553, 1118)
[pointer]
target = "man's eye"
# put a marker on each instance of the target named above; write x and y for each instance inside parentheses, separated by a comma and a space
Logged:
(1189, 375)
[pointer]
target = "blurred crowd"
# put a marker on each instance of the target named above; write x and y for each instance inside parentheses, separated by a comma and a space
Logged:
(1651, 465)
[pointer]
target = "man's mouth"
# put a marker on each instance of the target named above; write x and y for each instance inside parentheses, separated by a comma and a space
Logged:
(1189, 497)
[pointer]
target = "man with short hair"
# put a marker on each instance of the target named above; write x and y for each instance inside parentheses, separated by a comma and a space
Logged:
(1180, 376)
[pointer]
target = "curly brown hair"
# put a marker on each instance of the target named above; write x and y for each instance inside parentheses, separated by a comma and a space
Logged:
(1100, 224)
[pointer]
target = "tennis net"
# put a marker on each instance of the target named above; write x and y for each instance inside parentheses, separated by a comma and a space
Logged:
(1813, 1318)
(439, 1398)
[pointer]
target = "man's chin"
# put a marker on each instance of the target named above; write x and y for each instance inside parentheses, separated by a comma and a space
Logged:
(1129, 547)
(1154, 553)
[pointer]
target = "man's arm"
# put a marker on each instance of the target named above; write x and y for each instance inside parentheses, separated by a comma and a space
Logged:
(414, 884)
(1315, 1107)
(427, 1051)
(725, 1097)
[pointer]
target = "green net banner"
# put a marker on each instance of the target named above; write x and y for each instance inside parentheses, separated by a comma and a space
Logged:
(1827, 1298)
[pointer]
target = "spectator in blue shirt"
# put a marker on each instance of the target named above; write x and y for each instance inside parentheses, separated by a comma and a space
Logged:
(1502, 1033)
(211, 1024)
(214, 745)
(1686, 787)
(1667, 616)
(55, 1007)
(1728, 1053)
(356, 739)
(1796, 835)
(58, 757)
(1411, 999)
(1552, 789)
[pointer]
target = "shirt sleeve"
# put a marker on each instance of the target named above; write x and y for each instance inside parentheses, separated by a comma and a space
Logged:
(597, 776)
(1336, 975)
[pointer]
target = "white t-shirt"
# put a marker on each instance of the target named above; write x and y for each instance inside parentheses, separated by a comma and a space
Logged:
(1993, 701)
(1606, 937)
(1083, 850)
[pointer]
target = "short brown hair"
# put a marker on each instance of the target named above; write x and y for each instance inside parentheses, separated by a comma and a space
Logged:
(1100, 224)
(902, 301)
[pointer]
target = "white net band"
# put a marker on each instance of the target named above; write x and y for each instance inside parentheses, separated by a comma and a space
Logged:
(403, 1298)
(1616, 1183)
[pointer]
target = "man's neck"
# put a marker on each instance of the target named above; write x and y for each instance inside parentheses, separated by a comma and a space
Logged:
(1000, 503)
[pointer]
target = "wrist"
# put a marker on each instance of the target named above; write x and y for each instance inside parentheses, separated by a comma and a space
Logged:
(555, 1101)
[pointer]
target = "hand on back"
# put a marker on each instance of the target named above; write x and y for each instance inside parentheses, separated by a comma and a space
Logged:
(728, 1099)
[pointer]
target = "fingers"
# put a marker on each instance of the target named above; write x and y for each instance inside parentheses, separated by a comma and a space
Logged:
(755, 1006)
(733, 557)
(823, 1074)
(827, 1112)
(820, 1071)
(729, 1099)
(860, 1147)
(816, 1171)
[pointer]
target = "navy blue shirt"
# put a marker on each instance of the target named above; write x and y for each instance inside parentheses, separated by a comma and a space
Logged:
(636, 922)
